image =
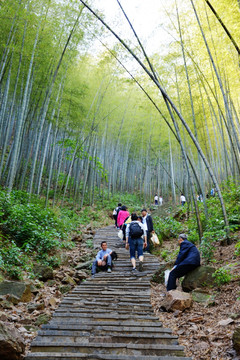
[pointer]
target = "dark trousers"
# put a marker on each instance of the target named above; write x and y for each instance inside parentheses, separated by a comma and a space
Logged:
(115, 219)
(95, 266)
(176, 273)
(148, 242)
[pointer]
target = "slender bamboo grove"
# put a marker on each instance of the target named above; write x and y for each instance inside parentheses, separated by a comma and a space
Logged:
(77, 125)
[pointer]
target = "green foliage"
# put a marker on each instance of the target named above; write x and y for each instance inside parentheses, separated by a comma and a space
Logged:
(167, 227)
(207, 249)
(89, 243)
(29, 233)
(213, 227)
(237, 246)
(222, 276)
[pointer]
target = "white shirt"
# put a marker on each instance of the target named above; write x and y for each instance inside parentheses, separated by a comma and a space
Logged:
(182, 198)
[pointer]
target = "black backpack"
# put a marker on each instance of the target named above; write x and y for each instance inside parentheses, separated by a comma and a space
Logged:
(135, 230)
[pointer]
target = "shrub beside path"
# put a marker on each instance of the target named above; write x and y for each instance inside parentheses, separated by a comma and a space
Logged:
(108, 317)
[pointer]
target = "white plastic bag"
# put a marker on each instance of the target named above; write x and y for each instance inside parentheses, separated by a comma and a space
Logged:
(155, 239)
(120, 234)
(166, 276)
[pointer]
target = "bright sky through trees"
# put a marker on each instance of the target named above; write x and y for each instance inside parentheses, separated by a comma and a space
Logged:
(148, 19)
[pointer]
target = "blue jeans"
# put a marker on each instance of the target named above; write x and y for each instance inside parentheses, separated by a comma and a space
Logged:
(104, 267)
(136, 245)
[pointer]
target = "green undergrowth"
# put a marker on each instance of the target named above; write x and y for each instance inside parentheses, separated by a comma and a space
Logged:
(31, 233)
(177, 220)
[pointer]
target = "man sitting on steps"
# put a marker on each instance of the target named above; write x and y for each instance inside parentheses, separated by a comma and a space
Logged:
(103, 259)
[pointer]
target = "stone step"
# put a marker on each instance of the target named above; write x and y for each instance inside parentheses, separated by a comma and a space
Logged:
(136, 338)
(116, 311)
(90, 356)
(102, 292)
(113, 329)
(113, 307)
(110, 305)
(107, 322)
(98, 317)
(110, 298)
(108, 348)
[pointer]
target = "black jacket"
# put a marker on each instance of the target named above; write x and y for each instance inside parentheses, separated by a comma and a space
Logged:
(188, 254)
(149, 223)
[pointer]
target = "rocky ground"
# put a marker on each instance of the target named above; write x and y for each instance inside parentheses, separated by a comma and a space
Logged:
(206, 330)
(27, 316)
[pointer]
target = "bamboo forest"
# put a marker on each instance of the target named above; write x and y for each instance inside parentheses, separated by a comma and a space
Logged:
(120, 102)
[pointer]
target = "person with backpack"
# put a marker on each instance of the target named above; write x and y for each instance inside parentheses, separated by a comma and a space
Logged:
(115, 213)
(147, 221)
(135, 242)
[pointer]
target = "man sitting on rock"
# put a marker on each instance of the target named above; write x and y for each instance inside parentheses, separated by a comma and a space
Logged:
(187, 260)
(103, 259)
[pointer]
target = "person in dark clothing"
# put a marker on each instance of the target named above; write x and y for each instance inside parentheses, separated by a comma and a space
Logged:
(115, 213)
(187, 260)
(147, 221)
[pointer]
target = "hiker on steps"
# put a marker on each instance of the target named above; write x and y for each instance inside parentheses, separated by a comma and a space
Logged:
(122, 215)
(103, 259)
(187, 260)
(147, 221)
(134, 240)
(115, 213)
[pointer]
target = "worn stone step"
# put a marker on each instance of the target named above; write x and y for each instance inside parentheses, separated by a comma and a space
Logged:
(136, 338)
(109, 348)
(98, 317)
(113, 307)
(77, 356)
(87, 292)
(115, 311)
(71, 340)
(114, 329)
(110, 299)
(102, 305)
(107, 322)
(103, 292)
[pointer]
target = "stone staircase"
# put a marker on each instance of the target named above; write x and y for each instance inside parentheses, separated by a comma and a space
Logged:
(108, 317)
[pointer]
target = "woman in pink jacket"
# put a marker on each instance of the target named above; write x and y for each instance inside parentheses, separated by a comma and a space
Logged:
(122, 215)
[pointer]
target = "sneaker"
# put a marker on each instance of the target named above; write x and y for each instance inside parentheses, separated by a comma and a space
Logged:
(134, 270)
(93, 276)
(140, 268)
(109, 270)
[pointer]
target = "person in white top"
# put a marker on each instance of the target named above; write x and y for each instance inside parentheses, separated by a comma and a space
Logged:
(160, 200)
(156, 199)
(182, 199)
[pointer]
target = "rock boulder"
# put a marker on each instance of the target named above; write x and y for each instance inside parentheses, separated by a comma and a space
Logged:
(18, 290)
(198, 278)
(44, 273)
(11, 343)
(177, 300)
(236, 339)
